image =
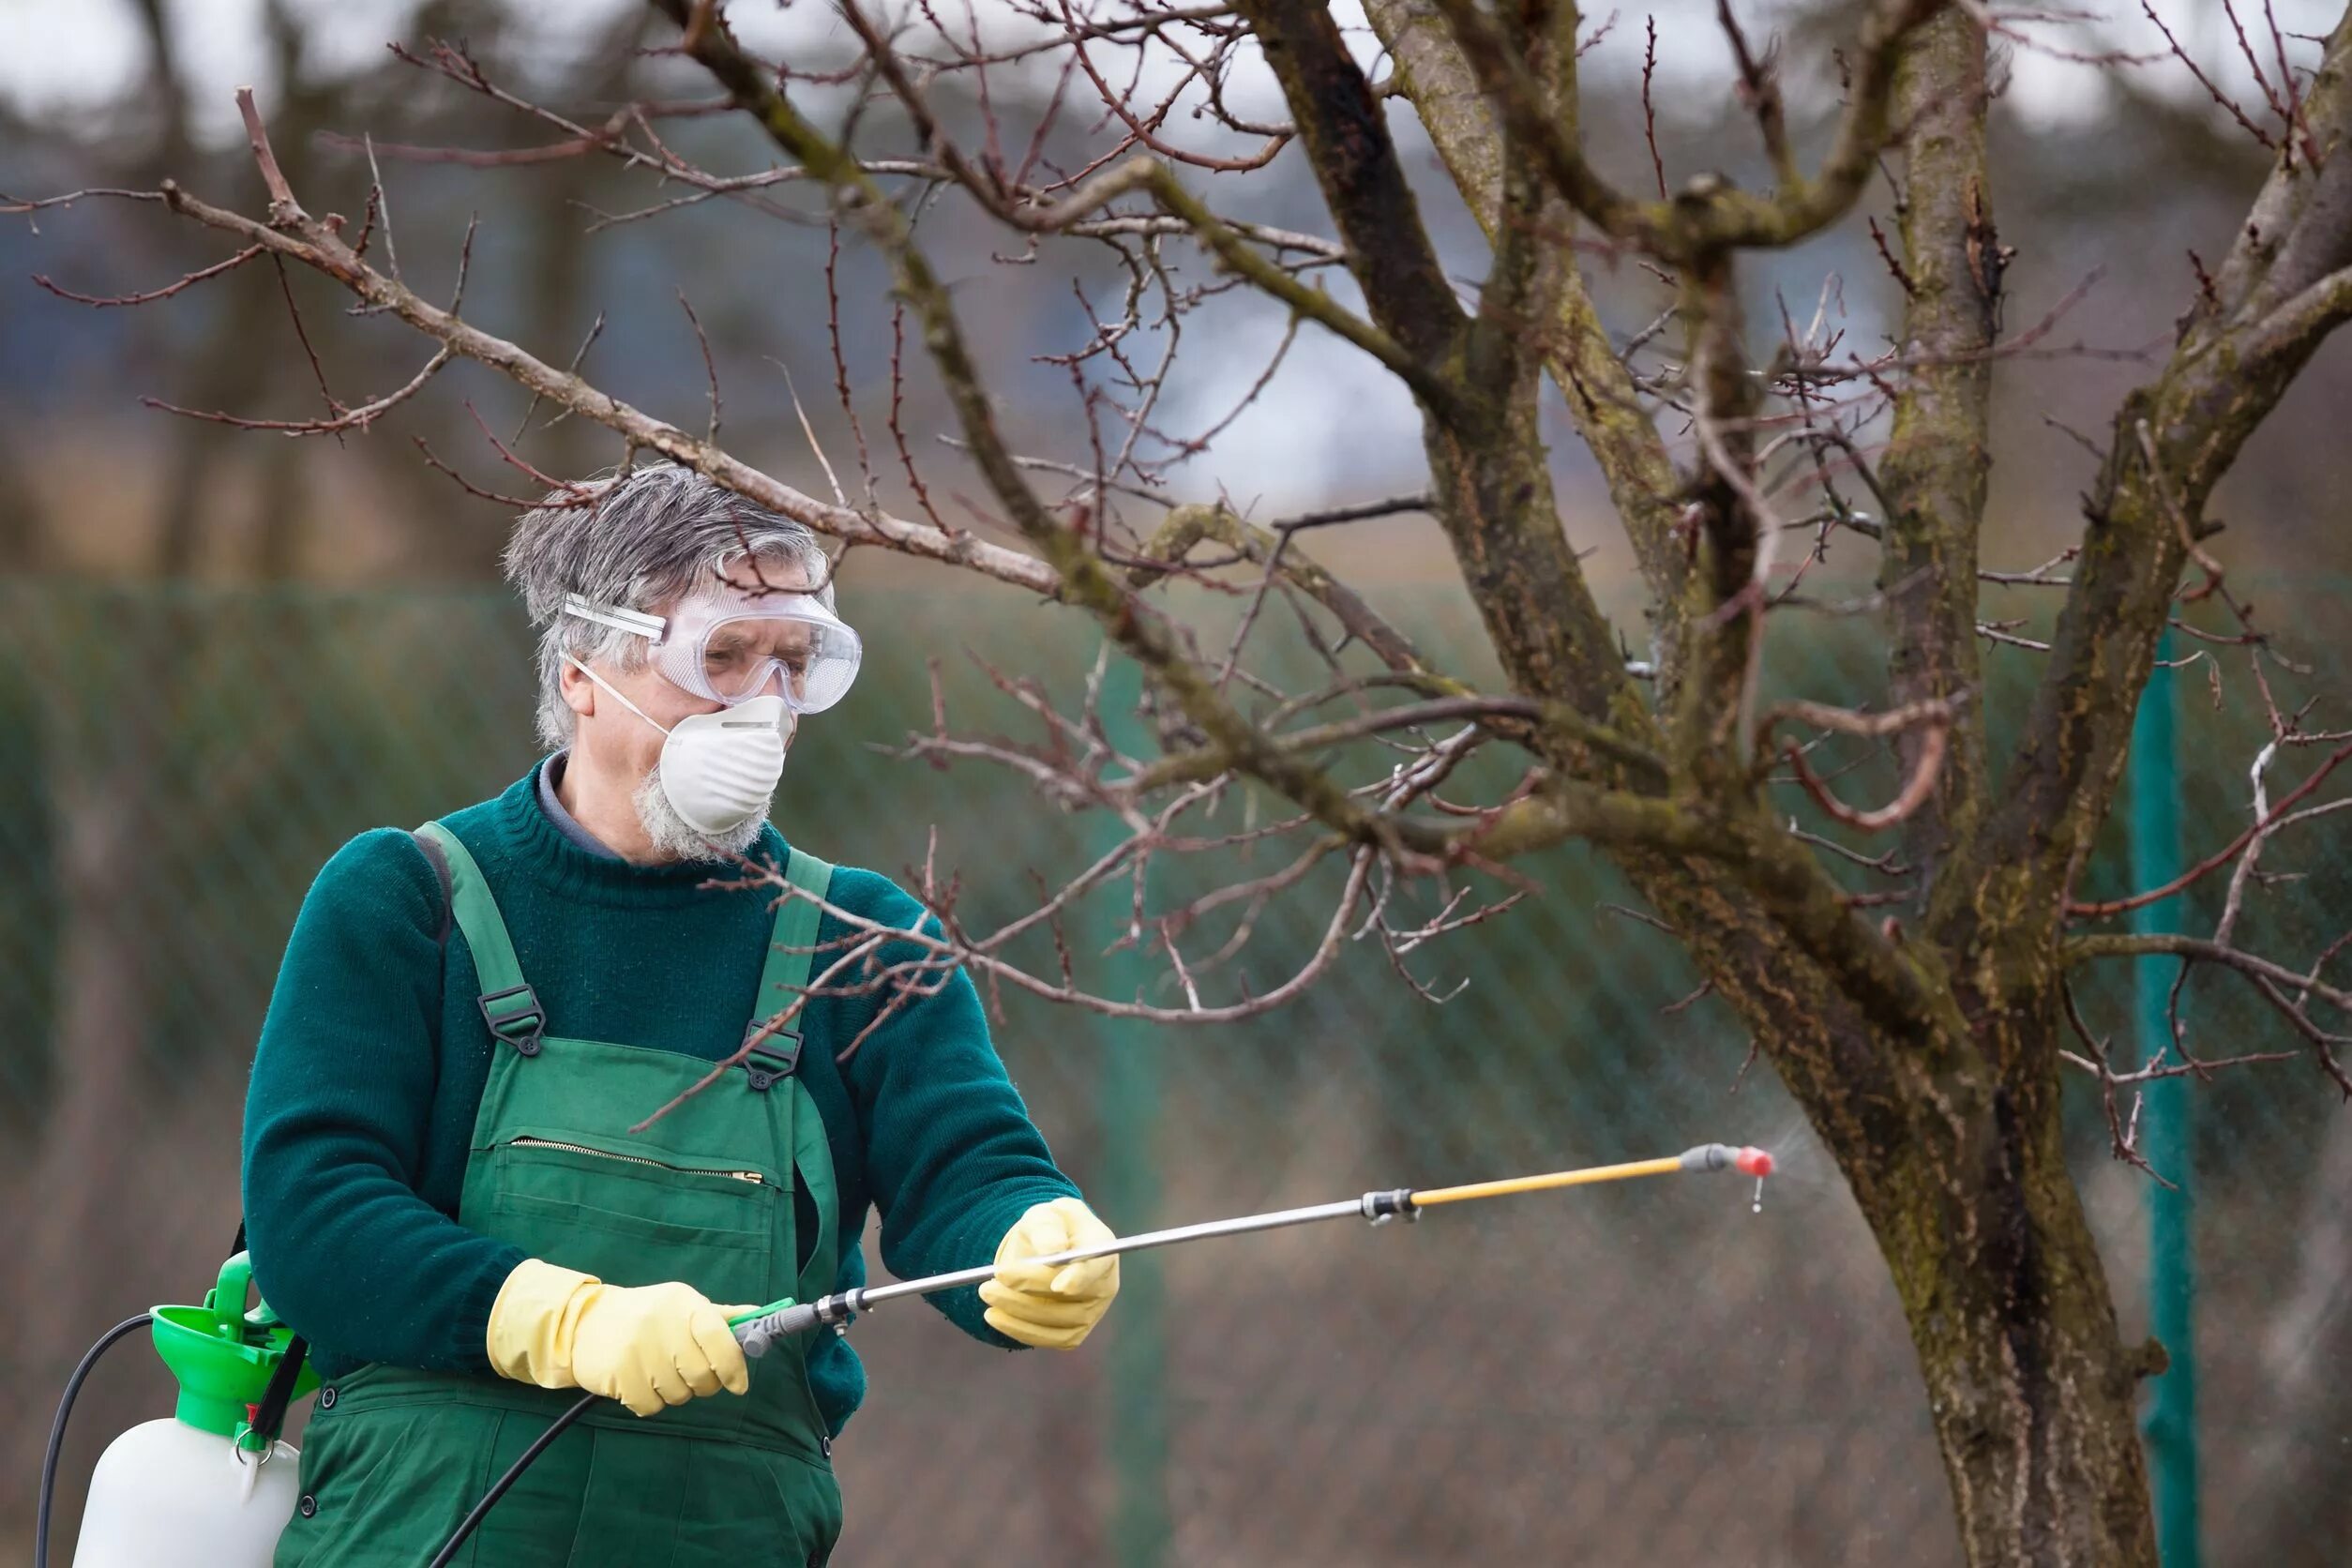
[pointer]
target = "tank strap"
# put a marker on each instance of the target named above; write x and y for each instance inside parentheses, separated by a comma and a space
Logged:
(791, 954)
(509, 1006)
(430, 847)
(268, 1419)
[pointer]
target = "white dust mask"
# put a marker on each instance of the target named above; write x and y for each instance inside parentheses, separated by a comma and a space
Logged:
(718, 770)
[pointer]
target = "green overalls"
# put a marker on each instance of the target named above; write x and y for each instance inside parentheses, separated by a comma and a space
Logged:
(394, 1458)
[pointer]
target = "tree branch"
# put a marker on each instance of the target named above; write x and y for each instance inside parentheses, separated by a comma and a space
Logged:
(1186, 526)
(1738, 918)
(1593, 381)
(1715, 214)
(1507, 716)
(1565, 811)
(1315, 305)
(2269, 820)
(1938, 458)
(2081, 950)
(1389, 250)
(317, 248)
(1931, 718)
(2272, 303)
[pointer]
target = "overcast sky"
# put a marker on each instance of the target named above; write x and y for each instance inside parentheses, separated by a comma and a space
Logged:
(59, 54)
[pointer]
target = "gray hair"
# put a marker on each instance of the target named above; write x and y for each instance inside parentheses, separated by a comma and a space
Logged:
(638, 540)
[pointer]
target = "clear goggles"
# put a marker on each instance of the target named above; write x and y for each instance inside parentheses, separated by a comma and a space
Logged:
(739, 643)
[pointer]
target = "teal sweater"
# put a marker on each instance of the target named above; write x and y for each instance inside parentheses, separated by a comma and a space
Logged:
(373, 1057)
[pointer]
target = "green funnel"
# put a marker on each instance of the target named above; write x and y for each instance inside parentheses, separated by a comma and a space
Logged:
(223, 1355)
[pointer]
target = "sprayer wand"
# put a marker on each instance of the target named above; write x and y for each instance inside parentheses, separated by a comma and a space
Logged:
(764, 1326)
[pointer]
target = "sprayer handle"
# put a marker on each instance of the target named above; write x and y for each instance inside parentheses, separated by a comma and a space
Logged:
(760, 1332)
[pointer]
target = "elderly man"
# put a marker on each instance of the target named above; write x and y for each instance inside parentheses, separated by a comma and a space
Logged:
(451, 1184)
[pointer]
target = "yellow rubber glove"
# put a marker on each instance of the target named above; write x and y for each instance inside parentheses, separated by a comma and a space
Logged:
(1054, 1308)
(649, 1346)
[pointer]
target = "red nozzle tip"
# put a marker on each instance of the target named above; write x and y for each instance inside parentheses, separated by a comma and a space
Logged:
(1753, 1162)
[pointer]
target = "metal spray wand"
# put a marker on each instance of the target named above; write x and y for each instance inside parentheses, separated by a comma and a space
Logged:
(764, 1326)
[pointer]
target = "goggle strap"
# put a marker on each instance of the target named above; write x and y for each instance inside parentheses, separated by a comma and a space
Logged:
(619, 619)
(616, 693)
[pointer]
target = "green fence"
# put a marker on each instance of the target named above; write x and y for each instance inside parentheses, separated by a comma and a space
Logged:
(1628, 1376)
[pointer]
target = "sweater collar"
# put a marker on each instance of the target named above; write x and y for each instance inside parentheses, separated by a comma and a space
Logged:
(538, 845)
(551, 774)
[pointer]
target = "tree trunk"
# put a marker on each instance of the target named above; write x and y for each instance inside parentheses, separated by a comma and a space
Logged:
(1952, 1144)
(2030, 1384)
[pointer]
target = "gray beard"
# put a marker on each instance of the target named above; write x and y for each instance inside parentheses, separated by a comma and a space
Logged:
(672, 836)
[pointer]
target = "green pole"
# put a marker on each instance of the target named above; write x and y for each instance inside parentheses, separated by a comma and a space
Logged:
(2171, 1423)
(1130, 1193)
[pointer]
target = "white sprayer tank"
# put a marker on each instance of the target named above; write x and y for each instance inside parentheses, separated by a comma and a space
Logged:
(167, 1495)
(202, 1489)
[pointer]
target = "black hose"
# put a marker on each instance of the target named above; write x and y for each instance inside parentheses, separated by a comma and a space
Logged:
(514, 1473)
(57, 1429)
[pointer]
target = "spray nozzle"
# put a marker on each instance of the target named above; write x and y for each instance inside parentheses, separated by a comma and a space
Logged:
(1723, 1156)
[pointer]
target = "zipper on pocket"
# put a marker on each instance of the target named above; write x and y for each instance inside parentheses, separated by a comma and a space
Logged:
(751, 1176)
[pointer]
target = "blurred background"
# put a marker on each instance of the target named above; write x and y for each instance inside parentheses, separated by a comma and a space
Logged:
(223, 653)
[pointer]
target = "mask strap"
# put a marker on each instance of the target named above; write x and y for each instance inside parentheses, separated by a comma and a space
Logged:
(616, 693)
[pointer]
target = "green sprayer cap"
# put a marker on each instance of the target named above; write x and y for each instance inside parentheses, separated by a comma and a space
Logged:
(223, 1355)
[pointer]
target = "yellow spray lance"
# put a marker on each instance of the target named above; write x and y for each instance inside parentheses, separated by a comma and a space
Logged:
(764, 1326)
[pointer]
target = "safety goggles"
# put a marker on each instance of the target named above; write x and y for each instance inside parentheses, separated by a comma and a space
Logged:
(734, 644)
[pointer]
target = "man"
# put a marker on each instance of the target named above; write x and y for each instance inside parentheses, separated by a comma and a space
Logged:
(452, 1186)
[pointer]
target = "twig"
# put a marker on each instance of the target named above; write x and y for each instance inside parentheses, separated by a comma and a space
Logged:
(2124, 1138)
(2199, 950)
(810, 431)
(344, 419)
(382, 201)
(1915, 792)
(710, 368)
(283, 208)
(106, 301)
(519, 502)
(1877, 237)
(840, 363)
(570, 491)
(2207, 83)
(318, 372)
(2117, 906)
(898, 428)
(1649, 108)
(579, 358)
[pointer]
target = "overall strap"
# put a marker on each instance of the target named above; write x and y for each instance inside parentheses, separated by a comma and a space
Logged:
(508, 1005)
(783, 980)
(791, 950)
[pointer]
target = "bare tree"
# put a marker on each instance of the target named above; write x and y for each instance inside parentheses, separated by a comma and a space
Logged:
(1924, 1020)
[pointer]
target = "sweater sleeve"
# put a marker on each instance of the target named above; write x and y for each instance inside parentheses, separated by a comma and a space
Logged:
(335, 1121)
(951, 1154)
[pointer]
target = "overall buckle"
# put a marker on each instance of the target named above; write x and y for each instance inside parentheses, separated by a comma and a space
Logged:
(515, 1016)
(773, 1056)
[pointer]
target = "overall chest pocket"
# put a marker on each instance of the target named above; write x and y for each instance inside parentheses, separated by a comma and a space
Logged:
(636, 1219)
